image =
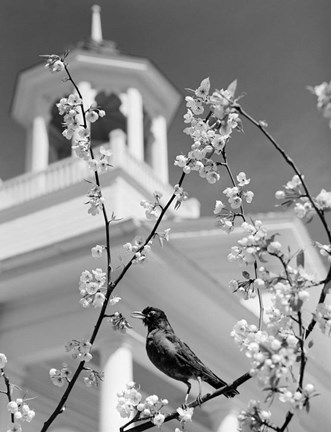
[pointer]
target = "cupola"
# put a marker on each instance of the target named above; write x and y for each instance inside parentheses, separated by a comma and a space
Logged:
(139, 103)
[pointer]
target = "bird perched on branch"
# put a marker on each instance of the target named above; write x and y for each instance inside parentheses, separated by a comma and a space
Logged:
(172, 356)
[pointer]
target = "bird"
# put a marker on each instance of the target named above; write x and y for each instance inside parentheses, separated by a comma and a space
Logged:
(174, 357)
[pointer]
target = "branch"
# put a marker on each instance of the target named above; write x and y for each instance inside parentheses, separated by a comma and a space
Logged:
(324, 292)
(290, 162)
(147, 425)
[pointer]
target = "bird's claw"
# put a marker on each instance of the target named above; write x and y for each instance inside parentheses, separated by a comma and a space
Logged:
(199, 400)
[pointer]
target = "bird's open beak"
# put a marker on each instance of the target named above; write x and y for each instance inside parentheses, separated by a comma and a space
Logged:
(138, 314)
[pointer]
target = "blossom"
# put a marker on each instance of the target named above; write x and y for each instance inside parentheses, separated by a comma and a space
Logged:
(274, 247)
(219, 206)
(3, 360)
(93, 378)
(209, 135)
(185, 415)
(97, 251)
(158, 419)
(272, 357)
(119, 322)
(130, 402)
(140, 250)
(92, 288)
(325, 250)
(242, 180)
(20, 410)
(248, 195)
(252, 246)
(297, 399)
(60, 376)
(114, 300)
(80, 350)
(163, 236)
(152, 208)
(92, 115)
(280, 195)
(323, 317)
(254, 419)
(96, 200)
(181, 161)
(225, 225)
(323, 94)
(235, 202)
(180, 194)
(203, 90)
(324, 199)
(54, 63)
(303, 209)
(294, 183)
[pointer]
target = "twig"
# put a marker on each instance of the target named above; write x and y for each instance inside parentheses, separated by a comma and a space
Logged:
(8, 391)
(260, 300)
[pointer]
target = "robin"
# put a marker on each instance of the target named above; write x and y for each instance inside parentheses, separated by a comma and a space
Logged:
(172, 356)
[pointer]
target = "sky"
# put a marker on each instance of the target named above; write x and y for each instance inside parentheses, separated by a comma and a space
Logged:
(275, 48)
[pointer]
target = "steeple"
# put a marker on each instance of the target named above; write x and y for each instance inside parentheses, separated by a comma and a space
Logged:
(96, 28)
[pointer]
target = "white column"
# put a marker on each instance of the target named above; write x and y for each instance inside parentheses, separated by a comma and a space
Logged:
(38, 144)
(118, 372)
(229, 423)
(117, 139)
(159, 150)
(135, 126)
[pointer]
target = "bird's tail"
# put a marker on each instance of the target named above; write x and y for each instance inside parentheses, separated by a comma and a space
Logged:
(217, 383)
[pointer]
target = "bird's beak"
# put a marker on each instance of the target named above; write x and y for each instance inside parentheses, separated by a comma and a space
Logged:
(138, 314)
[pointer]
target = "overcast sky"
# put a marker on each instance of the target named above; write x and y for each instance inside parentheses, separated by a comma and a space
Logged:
(274, 47)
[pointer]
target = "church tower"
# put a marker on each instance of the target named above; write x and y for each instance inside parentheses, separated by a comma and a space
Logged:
(139, 103)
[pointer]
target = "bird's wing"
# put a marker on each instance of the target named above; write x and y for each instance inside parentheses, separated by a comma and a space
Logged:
(186, 356)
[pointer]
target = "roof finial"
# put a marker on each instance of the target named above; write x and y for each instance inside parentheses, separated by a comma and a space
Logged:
(96, 29)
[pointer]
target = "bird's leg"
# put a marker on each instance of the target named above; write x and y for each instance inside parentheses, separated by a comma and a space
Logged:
(200, 391)
(189, 385)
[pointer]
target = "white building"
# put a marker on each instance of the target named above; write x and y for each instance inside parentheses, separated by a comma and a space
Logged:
(46, 236)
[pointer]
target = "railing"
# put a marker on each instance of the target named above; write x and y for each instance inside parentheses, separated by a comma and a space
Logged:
(72, 170)
(58, 175)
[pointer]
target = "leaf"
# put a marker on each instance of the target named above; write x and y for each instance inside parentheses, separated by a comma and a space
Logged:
(301, 258)
(262, 260)
(232, 87)
(160, 239)
(307, 406)
(177, 205)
